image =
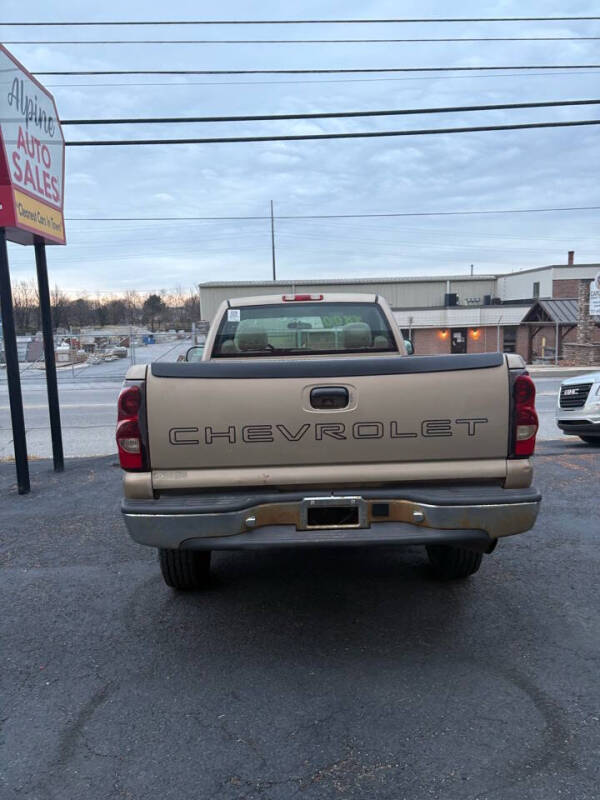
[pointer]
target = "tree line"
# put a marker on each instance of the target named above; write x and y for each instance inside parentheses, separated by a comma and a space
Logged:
(161, 310)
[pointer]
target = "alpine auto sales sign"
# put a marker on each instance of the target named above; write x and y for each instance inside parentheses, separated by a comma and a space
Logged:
(32, 157)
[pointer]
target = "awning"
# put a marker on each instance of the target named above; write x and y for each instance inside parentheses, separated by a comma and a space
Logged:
(460, 317)
(563, 312)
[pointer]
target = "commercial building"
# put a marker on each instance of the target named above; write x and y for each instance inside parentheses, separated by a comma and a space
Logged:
(527, 312)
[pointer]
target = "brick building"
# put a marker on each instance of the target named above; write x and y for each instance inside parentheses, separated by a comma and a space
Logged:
(525, 312)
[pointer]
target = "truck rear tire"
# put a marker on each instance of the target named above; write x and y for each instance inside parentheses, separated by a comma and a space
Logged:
(186, 570)
(451, 562)
(591, 440)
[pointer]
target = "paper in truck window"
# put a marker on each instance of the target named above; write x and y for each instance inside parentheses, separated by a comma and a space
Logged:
(233, 315)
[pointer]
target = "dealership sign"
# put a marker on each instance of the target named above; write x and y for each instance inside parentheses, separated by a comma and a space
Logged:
(32, 157)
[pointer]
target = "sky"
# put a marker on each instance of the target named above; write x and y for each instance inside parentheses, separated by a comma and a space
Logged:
(468, 171)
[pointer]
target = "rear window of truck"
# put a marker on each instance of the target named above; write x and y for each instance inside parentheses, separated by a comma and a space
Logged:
(303, 328)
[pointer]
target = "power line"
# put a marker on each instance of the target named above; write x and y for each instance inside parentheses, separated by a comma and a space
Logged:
(310, 71)
(384, 215)
(309, 82)
(310, 41)
(328, 115)
(313, 136)
(397, 20)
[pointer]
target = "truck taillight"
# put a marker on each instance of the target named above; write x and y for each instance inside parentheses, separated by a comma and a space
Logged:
(129, 439)
(291, 298)
(525, 416)
(130, 400)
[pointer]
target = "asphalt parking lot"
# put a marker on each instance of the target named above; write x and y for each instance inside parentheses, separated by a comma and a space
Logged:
(313, 674)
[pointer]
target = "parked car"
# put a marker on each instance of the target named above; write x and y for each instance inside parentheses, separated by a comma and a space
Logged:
(578, 408)
(306, 424)
(117, 351)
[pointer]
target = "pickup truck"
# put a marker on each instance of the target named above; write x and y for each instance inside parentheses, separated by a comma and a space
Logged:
(304, 422)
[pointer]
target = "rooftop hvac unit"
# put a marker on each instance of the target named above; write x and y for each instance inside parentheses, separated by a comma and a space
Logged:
(487, 299)
(496, 301)
(450, 299)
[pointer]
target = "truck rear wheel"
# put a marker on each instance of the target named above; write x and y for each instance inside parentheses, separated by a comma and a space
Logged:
(451, 562)
(186, 570)
(591, 440)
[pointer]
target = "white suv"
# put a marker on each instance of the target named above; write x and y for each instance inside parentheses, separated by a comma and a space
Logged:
(578, 409)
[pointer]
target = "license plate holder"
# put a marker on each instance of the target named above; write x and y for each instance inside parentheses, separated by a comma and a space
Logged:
(333, 513)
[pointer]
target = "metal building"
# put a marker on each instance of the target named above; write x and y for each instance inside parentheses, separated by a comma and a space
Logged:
(401, 293)
(454, 313)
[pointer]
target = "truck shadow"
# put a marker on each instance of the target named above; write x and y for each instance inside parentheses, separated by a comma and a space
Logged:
(359, 594)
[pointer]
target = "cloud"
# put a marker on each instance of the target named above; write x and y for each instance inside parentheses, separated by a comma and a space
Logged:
(437, 173)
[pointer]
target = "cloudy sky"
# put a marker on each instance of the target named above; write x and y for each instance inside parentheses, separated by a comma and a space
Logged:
(459, 172)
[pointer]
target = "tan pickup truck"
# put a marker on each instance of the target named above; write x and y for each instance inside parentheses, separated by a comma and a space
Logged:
(304, 422)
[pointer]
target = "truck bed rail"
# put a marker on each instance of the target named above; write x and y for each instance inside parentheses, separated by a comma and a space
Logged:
(325, 367)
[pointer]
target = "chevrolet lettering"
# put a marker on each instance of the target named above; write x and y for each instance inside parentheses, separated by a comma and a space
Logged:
(248, 434)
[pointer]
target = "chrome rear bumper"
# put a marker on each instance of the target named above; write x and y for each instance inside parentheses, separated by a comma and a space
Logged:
(383, 516)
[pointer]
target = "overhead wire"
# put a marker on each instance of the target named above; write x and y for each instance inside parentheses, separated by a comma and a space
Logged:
(324, 136)
(377, 229)
(432, 228)
(329, 114)
(365, 21)
(338, 71)
(383, 215)
(521, 75)
(432, 40)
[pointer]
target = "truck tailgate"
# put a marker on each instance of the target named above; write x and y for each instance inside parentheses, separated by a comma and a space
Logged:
(259, 413)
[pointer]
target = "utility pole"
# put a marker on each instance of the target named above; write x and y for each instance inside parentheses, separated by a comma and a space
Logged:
(273, 243)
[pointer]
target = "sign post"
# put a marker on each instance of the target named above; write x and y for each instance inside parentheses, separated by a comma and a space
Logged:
(32, 165)
(51, 382)
(15, 398)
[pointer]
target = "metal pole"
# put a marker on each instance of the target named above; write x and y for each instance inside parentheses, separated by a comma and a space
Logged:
(556, 343)
(273, 242)
(12, 371)
(49, 359)
(131, 346)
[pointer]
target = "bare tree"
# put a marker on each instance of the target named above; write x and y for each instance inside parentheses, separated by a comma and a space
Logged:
(192, 305)
(59, 303)
(133, 306)
(26, 304)
(175, 308)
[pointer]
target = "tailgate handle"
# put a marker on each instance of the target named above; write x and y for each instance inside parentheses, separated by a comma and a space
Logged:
(329, 397)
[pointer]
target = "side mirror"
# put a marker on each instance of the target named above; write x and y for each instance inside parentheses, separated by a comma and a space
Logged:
(409, 348)
(194, 354)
